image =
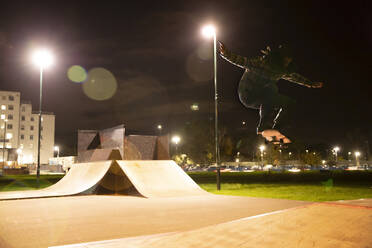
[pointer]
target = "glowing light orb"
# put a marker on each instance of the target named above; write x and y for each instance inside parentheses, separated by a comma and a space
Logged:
(176, 139)
(42, 58)
(100, 85)
(194, 107)
(199, 70)
(209, 31)
(205, 51)
(77, 74)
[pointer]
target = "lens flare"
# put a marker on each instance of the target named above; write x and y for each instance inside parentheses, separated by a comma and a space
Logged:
(199, 70)
(77, 74)
(100, 85)
(205, 51)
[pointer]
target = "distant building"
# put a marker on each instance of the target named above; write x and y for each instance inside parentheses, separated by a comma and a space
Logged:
(22, 127)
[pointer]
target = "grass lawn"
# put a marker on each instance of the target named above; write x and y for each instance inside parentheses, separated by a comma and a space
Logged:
(294, 191)
(26, 182)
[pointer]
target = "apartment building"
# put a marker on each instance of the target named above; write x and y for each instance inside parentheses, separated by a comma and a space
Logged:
(19, 130)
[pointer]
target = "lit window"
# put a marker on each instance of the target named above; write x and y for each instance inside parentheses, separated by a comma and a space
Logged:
(10, 107)
(3, 107)
(31, 128)
(9, 135)
(3, 117)
(9, 126)
(11, 98)
(31, 137)
(10, 117)
(22, 136)
(8, 146)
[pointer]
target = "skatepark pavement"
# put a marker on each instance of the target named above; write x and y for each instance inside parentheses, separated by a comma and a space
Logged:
(316, 225)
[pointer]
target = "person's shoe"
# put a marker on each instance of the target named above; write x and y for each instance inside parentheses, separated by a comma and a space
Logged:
(272, 135)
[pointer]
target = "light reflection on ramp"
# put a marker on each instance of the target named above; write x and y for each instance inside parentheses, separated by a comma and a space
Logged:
(159, 178)
(80, 178)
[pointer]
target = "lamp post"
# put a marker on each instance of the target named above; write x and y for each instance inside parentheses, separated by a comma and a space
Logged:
(56, 148)
(210, 31)
(159, 127)
(41, 58)
(357, 154)
(5, 121)
(176, 139)
(336, 150)
(262, 148)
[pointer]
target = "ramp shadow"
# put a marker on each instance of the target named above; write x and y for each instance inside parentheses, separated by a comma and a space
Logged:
(115, 182)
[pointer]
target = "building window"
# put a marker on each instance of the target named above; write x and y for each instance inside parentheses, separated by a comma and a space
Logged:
(32, 118)
(41, 128)
(10, 107)
(22, 127)
(22, 136)
(3, 107)
(32, 128)
(23, 109)
(23, 118)
(3, 97)
(11, 98)
(31, 137)
(9, 126)
(10, 117)
(9, 135)
(3, 117)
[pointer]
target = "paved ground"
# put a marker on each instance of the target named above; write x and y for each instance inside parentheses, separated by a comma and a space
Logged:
(318, 225)
(68, 220)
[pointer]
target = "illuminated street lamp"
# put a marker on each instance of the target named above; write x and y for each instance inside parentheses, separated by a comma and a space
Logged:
(289, 155)
(209, 31)
(56, 149)
(336, 150)
(357, 154)
(160, 128)
(262, 149)
(176, 139)
(42, 59)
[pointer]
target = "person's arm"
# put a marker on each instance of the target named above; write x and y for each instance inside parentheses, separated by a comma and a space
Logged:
(298, 79)
(240, 61)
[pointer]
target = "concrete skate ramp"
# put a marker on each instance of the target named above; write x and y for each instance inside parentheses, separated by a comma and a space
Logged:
(150, 178)
(159, 178)
(82, 178)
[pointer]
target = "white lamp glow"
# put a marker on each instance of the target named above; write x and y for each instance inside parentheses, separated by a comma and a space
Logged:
(42, 58)
(209, 31)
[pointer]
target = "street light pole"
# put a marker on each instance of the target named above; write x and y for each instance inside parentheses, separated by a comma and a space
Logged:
(218, 176)
(42, 59)
(2, 171)
(210, 31)
(39, 131)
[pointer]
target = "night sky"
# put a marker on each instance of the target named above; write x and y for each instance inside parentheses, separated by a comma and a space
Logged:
(162, 64)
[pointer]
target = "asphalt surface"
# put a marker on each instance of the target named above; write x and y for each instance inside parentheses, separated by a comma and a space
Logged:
(316, 225)
(69, 220)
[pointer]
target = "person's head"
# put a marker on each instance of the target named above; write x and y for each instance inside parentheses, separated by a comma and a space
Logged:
(279, 59)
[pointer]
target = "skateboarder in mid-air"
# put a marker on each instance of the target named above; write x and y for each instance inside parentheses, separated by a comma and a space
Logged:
(258, 86)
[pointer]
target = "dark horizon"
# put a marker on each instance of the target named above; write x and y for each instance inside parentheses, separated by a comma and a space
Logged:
(153, 51)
